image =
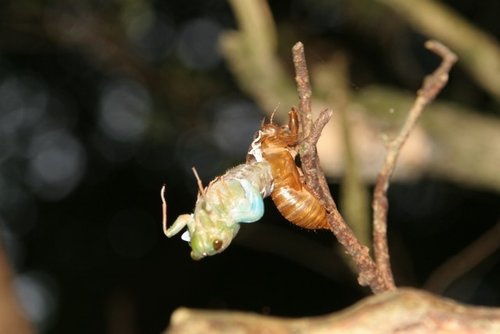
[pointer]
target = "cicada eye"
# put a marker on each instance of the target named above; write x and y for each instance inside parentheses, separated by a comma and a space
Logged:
(217, 244)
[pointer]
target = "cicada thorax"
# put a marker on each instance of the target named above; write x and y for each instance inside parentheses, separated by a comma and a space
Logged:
(236, 196)
(290, 195)
(258, 174)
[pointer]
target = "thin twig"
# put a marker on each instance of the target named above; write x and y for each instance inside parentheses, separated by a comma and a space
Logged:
(369, 275)
(309, 132)
(317, 127)
(432, 85)
(478, 48)
(315, 178)
(464, 261)
(303, 88)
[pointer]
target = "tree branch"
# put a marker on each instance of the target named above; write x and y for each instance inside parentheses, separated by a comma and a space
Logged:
(469, 158)
(261, 74)
(398, 311)
(479, 51)
(304, 90)
(465, 260)
(315, 178)
(431, 87)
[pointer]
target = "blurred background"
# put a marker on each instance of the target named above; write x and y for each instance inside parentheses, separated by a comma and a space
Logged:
(103, 102)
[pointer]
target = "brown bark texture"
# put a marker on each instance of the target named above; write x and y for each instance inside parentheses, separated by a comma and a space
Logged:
(399, 311)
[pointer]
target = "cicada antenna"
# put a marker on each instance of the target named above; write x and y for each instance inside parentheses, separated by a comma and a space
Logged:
(164, 209)
(198, 180)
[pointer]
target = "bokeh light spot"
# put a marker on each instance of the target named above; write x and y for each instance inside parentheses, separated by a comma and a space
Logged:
(124, 111)
(36, 292)
(57, 162)
(156, 38)
(196, 149)
(235, 124)
(198, 44)
(13, 247)
(23, 102)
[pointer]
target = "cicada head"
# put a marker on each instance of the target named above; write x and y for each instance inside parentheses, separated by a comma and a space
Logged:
(210, 237)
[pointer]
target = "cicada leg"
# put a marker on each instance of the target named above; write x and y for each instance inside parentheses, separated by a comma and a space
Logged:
(178, 225)
(164, 209)
(293, 126)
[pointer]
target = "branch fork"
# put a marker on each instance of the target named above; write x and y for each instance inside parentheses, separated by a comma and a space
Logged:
(376, 274)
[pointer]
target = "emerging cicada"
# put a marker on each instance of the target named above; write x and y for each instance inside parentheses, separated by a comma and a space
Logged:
(233, 198)
(237, 196)
(291, 196)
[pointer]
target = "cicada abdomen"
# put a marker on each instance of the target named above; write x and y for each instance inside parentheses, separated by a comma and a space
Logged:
(290, 195)
(233, 198)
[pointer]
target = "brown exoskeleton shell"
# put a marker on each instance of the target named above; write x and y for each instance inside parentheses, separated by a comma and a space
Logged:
(291, 196)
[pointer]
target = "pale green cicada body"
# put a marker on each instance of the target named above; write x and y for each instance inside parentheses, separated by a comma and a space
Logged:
(233, 198)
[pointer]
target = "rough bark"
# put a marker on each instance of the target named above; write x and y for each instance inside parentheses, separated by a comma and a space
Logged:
(399, 311)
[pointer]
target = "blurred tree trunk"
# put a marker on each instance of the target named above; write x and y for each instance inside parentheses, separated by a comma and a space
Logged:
(12, 317)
